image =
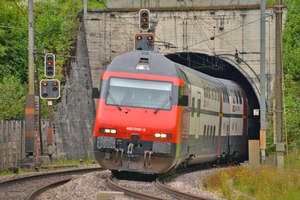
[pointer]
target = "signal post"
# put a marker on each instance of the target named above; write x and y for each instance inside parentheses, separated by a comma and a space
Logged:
(50, 89)
(30, 98)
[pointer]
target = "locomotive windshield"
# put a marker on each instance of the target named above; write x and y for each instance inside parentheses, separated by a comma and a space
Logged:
(139, 93)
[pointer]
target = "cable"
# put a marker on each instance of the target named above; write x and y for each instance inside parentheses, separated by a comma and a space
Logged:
(233, 30)
(118, 22)
(14, 28)
(206, 27)
(214, 27)
(192, 60)
(22, 13)
(67, 56)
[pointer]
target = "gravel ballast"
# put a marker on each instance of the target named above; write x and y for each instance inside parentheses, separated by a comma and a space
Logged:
(88, 186)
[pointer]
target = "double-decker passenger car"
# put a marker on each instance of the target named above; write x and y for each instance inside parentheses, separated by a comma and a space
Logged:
(154, 114)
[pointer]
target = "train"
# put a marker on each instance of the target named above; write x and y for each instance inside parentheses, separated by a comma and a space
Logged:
(154, 115)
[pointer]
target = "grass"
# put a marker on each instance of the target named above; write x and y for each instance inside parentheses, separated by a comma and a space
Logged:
(72, 162)
(58, 162)
(9, 172)
(263, 183)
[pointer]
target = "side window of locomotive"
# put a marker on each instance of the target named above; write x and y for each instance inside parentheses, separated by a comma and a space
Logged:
(236, 96)
(198, 107)
(193, 106)
(184, 76)
(233, 96)
(241, 102)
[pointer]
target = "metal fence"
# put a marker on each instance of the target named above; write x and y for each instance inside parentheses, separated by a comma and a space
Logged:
(12, 143)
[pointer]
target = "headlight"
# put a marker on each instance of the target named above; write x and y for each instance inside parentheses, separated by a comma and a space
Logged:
(163, 135)
(108, 131)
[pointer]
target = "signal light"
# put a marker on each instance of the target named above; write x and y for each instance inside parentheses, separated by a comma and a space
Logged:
(49, 65)
(144, 19)
(144, 41)
(50, 89)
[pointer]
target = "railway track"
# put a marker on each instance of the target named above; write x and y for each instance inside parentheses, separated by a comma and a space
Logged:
(164, 192)
(182, 195)
(30, 186)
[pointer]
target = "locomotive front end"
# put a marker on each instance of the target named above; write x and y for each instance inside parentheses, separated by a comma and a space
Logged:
(136, 126)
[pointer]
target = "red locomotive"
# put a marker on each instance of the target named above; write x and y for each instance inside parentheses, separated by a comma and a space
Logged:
(154, 115)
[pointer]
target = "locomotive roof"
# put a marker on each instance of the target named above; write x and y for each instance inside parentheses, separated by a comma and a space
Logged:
(158, 64)
(192, 74)
(161, 66)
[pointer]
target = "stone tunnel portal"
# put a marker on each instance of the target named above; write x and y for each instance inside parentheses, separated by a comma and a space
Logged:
(219, 68)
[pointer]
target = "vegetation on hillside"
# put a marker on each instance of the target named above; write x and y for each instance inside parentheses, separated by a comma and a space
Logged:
(291, 68)
(56, 24)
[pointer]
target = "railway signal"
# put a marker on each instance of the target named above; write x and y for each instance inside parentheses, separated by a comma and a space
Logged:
(50, 89)
(49, 65)
(144, 41)
(144, 17)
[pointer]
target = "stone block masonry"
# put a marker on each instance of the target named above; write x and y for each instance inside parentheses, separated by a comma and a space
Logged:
(75, 114)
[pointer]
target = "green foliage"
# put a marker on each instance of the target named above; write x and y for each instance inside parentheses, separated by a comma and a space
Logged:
(63, 161)
(291, 40)
(56, 25)
(271, 2)
(10, 173)
(12, 98)
(291, 50)
(291, 68)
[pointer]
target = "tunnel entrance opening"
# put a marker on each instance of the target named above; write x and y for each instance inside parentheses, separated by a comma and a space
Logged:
(219, 68)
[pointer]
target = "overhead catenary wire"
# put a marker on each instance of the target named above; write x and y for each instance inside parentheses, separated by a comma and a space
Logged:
(224, 32)
(202, 20)
(22, 12)
(267, 15)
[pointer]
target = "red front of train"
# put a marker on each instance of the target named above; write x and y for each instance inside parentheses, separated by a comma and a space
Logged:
(141, 121)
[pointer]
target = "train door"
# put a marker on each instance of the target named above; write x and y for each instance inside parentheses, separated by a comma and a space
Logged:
(198, 115)
(227, 125)
(195, 114)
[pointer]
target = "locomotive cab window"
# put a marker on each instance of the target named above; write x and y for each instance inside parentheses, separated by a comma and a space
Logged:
(140, 93)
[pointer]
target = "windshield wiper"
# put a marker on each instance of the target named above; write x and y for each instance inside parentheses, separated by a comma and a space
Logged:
(163, 103)
(114, 100)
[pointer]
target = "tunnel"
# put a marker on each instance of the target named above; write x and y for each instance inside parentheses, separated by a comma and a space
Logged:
(220, 68)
